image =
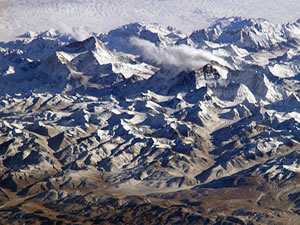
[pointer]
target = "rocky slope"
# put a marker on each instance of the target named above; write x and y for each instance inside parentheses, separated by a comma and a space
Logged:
(103, 131)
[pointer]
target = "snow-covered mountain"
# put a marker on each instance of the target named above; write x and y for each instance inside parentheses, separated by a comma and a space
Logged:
(250, 34)
(148, 119)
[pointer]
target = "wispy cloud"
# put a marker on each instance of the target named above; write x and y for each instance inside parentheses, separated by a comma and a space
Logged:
(181, 57)
(78, 33)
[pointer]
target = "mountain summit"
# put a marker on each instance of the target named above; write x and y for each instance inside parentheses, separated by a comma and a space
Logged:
(108, 131)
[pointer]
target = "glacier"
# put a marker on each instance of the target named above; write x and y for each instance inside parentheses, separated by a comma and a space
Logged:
(199, 128)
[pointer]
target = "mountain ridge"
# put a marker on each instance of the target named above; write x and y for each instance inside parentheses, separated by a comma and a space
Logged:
(95, 122)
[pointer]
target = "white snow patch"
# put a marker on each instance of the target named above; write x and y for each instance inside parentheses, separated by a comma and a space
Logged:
(281, 71)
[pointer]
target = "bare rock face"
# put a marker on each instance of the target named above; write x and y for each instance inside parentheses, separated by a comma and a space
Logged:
(92, 135)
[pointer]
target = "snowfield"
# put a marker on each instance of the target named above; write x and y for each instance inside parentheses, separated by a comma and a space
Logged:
(81, 17)
(146, 124)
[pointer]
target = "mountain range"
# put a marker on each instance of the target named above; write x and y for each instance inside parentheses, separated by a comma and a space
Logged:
(148, 125)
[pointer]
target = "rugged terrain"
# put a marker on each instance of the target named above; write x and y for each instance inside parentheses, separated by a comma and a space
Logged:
(147, 125)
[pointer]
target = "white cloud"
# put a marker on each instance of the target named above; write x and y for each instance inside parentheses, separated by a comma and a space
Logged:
(78, 33)
(181, 57)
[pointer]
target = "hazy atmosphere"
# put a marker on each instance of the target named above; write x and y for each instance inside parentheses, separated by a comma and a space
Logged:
(79, 17)
(149, 112)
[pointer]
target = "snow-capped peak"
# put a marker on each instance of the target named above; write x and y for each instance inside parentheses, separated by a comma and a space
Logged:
(96, 116)
(251, 34)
